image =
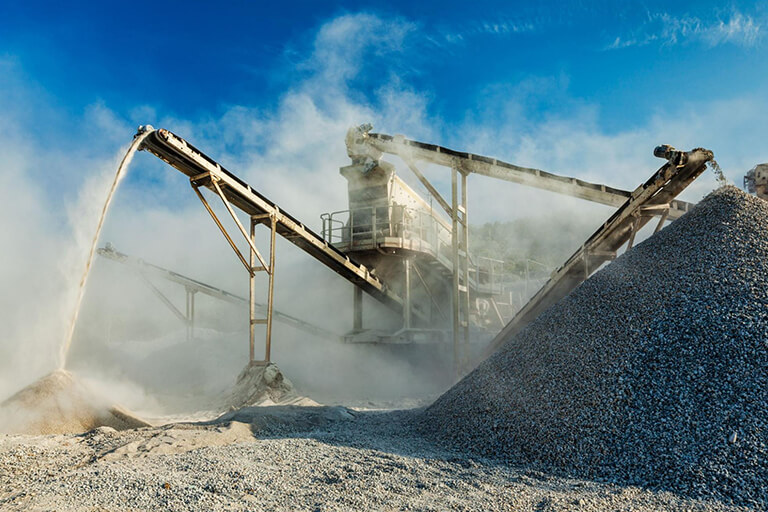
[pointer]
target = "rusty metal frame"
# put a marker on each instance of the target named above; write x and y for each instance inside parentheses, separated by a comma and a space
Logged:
(270, 270)
(250, 265)
(228, 206)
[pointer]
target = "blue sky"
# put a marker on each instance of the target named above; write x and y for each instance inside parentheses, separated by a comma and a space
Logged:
(579, 88)
(195, 59)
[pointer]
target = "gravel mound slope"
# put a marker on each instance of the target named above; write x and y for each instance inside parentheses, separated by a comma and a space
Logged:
(371, 462)
(653, 372)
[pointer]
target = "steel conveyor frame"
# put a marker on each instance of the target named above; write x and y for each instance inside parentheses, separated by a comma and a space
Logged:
(203, 171)
(411, 150)
(195, 286)
(648, 200)
(200, 168)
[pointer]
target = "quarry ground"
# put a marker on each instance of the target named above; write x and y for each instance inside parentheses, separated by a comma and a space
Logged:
(289, 458)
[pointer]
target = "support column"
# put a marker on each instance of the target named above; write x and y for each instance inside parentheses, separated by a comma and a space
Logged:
(252, 298)
(465, 261)
(190, 313)
(270, 306)
(407, 294)
(187, 315)
(357, 320)
(455, 265)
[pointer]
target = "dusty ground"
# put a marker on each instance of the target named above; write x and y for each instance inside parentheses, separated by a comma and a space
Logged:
(288, 458)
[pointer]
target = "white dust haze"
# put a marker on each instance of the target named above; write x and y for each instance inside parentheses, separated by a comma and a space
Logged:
(122, 168)
(127, 343)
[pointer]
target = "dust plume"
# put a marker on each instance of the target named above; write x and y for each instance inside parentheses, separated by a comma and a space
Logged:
(131, 346)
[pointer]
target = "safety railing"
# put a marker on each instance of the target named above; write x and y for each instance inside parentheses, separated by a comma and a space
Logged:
(368, 226)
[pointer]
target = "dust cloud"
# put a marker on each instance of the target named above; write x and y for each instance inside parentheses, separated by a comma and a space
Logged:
(128, 346)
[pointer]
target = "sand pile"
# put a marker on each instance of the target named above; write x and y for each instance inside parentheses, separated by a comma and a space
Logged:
(653, 372)
(59, 403)
(259, 385)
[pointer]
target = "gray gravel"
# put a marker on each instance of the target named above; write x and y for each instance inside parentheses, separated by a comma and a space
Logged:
(299, 459)
(654, 372)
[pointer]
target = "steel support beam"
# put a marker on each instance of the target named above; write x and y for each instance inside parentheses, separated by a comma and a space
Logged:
(252, 299)
(407, 303)
(465, 269)
(416, 270)
(357, 320)
(460, 264)
(412, 151)
(456, 309)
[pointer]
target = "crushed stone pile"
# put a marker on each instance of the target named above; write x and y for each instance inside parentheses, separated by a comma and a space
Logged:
(653, 372)
(60, 404)
(262, 385)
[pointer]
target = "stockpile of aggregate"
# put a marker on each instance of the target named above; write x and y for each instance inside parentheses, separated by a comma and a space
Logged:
(60, 403)
(263, 385)
(653, 372)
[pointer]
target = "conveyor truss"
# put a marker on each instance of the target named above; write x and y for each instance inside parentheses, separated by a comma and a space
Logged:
(192, 287)
(206, 173)
(654, 198)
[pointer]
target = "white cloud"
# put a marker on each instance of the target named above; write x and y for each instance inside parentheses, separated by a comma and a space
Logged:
(498, 27)
(665, 29)
(344, 46)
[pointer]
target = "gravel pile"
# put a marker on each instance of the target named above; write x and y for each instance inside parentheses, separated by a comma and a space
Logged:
(372, 461)
(654, 372)
(263, 385)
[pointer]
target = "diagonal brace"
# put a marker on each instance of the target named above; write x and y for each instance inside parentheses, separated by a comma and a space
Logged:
(239, 224)
(222, 229)
(160, 295)
(429, 291)
(432, 190)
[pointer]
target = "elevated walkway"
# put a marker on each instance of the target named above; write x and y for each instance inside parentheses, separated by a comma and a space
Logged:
(400, 230)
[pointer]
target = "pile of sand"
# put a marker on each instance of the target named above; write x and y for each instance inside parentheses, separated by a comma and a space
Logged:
(260, 385)
(61, 404)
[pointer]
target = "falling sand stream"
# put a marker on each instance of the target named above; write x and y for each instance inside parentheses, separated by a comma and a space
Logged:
(121, 169)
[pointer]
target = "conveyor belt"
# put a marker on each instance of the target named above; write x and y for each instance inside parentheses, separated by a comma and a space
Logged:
(486, 166)
(659, 190)
(202, 169)
(197, 286)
